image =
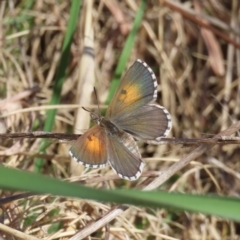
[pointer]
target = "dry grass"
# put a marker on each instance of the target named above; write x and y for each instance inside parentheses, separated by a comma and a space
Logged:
(194, 51)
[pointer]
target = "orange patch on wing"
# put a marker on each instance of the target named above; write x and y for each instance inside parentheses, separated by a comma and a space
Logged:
(129, 94)
(93, 144)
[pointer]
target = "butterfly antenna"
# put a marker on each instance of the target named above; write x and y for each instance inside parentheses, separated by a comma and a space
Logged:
(87, 110)
(95, 92)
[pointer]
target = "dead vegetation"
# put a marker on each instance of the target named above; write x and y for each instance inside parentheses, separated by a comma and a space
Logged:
(193, 48)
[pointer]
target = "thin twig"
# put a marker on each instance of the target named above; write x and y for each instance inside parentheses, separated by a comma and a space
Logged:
(70, 137)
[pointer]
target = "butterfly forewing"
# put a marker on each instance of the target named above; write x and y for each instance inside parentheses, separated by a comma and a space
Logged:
(124, 156)
(137, 88)
(90, 149)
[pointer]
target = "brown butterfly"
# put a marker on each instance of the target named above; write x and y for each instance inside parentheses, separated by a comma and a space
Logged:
(131, 114)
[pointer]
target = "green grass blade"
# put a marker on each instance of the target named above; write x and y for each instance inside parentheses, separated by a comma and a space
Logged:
(126, 51)
(227, 207)
(60, 76)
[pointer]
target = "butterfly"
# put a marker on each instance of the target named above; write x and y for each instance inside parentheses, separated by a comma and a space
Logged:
(132, 114)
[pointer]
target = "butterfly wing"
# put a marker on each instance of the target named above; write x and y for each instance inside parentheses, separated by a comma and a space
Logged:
(124, 156)
(150, 123)
(90, 149)
(131, 108)
(137, 88)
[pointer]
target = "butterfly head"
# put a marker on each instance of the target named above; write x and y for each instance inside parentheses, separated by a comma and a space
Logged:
(94, 116)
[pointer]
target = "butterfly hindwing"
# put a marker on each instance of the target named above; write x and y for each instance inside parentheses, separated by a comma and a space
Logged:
(150, 123)
(90, 149)
(124, 156)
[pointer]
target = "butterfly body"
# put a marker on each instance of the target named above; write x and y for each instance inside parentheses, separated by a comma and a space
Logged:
(131, 114)
(110, 128)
